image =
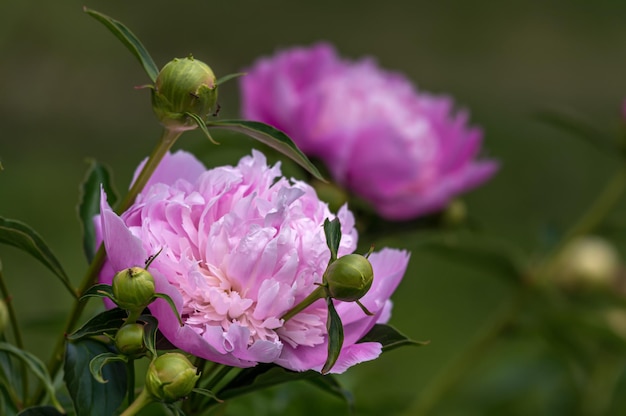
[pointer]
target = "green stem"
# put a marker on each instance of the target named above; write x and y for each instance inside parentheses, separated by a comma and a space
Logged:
(17, 333)
(139, 403)
(168, 138)
(592, 218)
(318, 293)
(130, 377)
(454, 371)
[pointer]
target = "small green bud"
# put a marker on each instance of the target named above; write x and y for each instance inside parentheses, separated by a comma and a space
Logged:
(184, 86)
(349, 277)
(171, 377)
(129, 340)
(133, 289)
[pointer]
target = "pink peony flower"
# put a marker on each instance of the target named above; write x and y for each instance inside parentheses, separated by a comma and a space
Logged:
(407, 153)
(240, 247)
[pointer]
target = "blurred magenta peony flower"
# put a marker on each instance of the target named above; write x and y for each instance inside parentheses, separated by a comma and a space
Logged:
(240, 247)
(407, 153)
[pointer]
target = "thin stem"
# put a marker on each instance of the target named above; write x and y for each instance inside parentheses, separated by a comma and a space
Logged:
(318, 293)
(168, 138)
(130, 377)
(139, 403)
(454, 371)
(17, 333)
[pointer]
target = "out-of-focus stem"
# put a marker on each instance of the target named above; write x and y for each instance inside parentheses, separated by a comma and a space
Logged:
(139, 403)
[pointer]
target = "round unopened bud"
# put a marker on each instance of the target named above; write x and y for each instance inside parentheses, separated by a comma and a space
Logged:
(133, 288)
(129, 340)
(588, 261)
(184, 85)
(349, 277)
(171, 377)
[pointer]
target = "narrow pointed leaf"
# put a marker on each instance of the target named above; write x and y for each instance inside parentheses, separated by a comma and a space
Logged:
(35, 365)
(389, 337)
(335, 336)
(228, 77)
(98, 291)
(97, 363)
(150, 332)
(89, 203)
(90, 397)
(202, 124)
(332, 230)
(129, 40)
(172, 305)
(271, 137)
(107, 322)
(19, 235)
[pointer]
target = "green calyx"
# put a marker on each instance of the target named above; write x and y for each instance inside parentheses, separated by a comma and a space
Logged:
(171, 377)
(185, 91)
(133, 289)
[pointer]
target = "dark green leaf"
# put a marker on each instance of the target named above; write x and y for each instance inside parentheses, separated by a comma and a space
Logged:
(40, 411)
(389, 337)
(107, 322)
(260, 377)
(20, 235)
(176, 411)
(99, 291)
(272, 137)
(90, 397)
(335, 336)
(35, 365)
(89, 203)
(129, 40)
(577, 126)
(332, 230)
(97, 364)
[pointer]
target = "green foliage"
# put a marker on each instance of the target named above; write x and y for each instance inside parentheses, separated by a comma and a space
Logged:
(97, 177)
(90, 397)
(19, 235)
(129, 40)
(271, 137)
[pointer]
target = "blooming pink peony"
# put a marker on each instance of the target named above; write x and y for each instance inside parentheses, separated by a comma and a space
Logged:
(240, 247)
(405, 152)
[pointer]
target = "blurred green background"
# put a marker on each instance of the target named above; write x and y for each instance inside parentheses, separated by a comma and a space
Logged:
(66, 94)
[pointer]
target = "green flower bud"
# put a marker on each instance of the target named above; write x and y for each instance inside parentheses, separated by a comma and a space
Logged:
(133, 289)
(349, 277)
(129, 340)
(171, 377)
(184, 86)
